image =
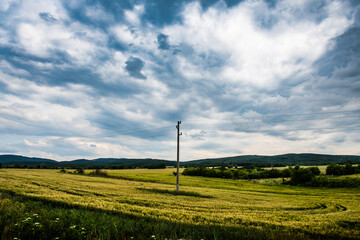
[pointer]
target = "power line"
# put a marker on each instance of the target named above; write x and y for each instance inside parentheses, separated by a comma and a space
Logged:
(303, 129)
(134, 131)
(278, 121)
(272, 116)
(155, 136)
(147, 137)
(281, 130)
(137, 130)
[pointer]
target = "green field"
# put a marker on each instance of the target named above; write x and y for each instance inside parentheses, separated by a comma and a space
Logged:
(205, 208)
(322, 168)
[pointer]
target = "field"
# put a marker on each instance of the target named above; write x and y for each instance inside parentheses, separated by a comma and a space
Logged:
(322, 168)
(147, 207)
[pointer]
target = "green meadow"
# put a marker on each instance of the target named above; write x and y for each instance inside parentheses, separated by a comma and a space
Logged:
(142, 204)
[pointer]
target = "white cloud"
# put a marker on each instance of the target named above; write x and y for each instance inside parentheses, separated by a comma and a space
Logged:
(6, 67)
(44, 40)
(135, 37)
(236, 63)
(123, 34)
(133, 17)
(102, 149)
(42, 111)
(33, 39)
(98, 13)
(29, 12)
(5, 4)
(45, 36)
(4, 38)
(258, 57)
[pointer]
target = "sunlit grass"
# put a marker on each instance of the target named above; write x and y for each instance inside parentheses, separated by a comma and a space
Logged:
(222, 202)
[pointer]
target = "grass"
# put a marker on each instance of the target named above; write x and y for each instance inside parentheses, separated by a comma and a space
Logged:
(174, 192)
(322, 168)
(205, 208)
(47, 220)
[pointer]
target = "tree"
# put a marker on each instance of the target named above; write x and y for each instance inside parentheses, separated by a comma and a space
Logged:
(286, 172)
(315, 170)
(334, 169)
(301, 176)
(349, 169)
(80, 171)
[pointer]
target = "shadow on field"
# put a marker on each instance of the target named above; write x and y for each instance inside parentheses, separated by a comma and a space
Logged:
(173, 192)
(72, 221)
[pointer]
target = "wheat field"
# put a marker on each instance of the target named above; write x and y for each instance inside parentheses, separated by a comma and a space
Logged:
(267, 206)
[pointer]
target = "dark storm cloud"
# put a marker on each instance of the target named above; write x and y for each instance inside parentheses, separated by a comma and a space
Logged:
(85, 76)
(113, 43)
(47, 17)
(113, 9)
(346, 49)
(134, 66)
(163, 12)
(163, 41)
(22, 59)
(339, 69)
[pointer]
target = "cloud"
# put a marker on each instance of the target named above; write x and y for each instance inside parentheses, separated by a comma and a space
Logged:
(98, 14)
(134, 66)
(47, 17)
(230, 65)
(163, 41)
(256, 56)
(133, 17)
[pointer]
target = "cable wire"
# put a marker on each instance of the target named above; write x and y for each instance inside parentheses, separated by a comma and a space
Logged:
(273, 116)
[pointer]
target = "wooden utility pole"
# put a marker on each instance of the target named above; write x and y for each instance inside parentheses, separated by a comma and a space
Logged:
(178, 154)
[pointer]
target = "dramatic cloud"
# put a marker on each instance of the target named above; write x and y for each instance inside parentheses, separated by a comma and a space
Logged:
(163, 41)
(134, 66)
(110, 79)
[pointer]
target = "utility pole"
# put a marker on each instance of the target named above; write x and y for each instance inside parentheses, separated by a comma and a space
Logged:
(178, 154)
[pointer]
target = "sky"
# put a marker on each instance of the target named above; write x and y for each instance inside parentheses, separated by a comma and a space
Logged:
(111, 78)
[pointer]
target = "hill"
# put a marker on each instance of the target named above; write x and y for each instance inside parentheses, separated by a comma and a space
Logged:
(16, 161)
(112, 162)
(246, 160)
(7, 160)
(284, 159)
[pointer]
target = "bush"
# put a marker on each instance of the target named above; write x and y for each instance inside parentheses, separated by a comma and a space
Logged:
(286, 173)
(79, 171)
(99, 172)
(315, 170)
(336, 169)
(335, 183)
(157, 166)
(301, 176)
(239, 173)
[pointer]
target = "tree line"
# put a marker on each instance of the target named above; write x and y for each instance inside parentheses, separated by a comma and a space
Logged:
(310, 176)
(245, 173)
(347, 169)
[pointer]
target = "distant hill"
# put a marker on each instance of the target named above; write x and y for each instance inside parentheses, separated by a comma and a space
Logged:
(283, 160)
(109, 162)
(15, 160)
(21, 160)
